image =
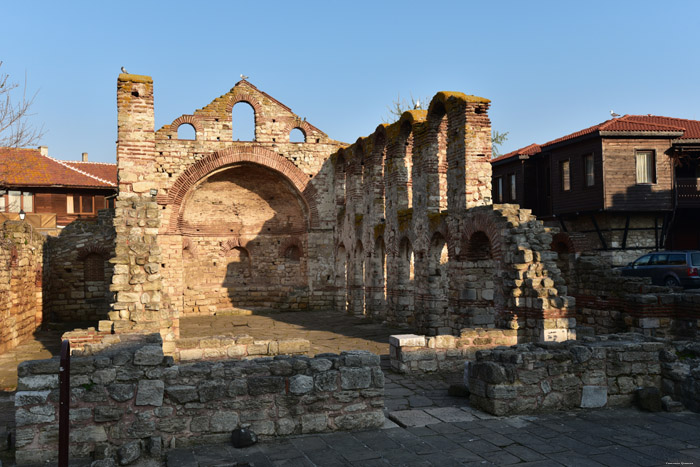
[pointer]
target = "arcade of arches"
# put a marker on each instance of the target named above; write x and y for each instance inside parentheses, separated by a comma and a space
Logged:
(398, 226)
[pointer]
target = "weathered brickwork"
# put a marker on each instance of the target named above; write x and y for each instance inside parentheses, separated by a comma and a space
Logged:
(131, 402)
(222, 224)
(21, 279)
(418, 242)
(80, 271)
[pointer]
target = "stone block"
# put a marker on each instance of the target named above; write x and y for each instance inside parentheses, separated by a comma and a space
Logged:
(150, 392)
(293, 346)
(360, 421)
(355, 378)
(594, 397)
(314, 423)
(149, 355)
(326, 381)
(223, 421)
(301, 384)
(121, 392)
(23, 398)
(407, 340)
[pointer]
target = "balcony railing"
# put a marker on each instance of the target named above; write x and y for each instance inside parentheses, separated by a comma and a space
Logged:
(688, 192)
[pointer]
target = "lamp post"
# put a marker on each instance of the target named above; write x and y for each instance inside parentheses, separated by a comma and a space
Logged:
(22, 214)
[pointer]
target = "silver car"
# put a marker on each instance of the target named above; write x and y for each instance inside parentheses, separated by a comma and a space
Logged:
(670, 268)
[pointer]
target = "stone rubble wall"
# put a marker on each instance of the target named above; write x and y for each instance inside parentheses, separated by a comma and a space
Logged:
(130, 402)
(70, 295)
(239, 347)
(530, 378)
(419, 242)
(414, 354)
(609, 302)
(680, 368)
(21, 279)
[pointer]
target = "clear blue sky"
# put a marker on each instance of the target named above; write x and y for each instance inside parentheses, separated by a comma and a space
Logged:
(549, 68)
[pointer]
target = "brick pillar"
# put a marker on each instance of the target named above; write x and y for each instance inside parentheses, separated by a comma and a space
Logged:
(137, 279)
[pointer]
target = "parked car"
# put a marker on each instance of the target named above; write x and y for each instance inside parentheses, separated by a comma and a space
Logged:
(671, 268)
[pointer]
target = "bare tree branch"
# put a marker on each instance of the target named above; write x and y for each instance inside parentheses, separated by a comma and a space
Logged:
(15, 129)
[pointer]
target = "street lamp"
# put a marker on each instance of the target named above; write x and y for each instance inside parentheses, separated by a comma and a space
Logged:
(22, 214)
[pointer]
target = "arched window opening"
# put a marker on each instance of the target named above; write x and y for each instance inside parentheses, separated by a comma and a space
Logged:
(297, 135)
(405, 262)
(479, 247)
(94, 267)
(379, 272)
(243, 122)
(186, 131)
(292, 253)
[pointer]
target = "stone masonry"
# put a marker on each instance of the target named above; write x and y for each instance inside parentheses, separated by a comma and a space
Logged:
(21, 283)
(131, 402)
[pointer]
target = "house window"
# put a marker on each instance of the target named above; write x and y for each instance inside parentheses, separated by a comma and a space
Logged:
(564, 169)
(513, 188)
(79, 204)
(589, 171)
(499, 189)
(646, 167)
(14, 201)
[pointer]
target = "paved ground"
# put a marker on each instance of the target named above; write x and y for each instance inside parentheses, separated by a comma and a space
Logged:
(326, 330)
(425, 426)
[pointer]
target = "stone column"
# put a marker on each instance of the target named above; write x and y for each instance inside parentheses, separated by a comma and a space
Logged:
(137, 279)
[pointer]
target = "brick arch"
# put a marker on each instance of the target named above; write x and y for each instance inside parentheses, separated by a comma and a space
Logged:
(302, 125)
(561, 243)
(236, 155)
(248, 98)
(187, 119)
(232, 243)
(93, 248)
(485, 222)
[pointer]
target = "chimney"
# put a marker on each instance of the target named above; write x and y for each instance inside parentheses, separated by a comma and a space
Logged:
(44, 150)
(85, 159)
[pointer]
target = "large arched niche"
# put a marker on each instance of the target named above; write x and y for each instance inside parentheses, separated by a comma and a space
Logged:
(235, 219)
(242, 200)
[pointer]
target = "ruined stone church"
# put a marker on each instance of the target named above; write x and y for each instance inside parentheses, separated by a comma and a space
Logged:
(398, 226)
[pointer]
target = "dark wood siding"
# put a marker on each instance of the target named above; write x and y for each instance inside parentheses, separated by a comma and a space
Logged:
(621, 190)
(579, 198)
(514, 166)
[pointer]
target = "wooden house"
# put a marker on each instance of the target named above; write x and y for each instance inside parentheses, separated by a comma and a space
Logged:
(42, 186)
(624, 186)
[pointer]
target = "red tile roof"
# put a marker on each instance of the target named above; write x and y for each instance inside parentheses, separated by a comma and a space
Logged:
(689, 129)
(28, 167)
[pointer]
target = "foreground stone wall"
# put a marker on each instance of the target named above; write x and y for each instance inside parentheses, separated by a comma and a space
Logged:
(410, 353)
(21, 279)
(130, 402)
(530, 378)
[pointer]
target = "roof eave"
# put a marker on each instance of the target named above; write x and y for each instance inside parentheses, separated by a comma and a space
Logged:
(665, 134)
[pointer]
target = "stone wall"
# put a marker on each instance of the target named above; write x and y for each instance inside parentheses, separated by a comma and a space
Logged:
(530, 378)
(410, 353)
(130, 402)
(419, 243)
(609, 302)
(227, 224)
(680, 368)
(21, 279)
(80, 271)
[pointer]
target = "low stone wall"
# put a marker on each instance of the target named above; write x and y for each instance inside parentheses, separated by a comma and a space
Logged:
(217, 347)
(130, 402)
(609, 302)
(21, 278)
(680, 368)
(527, 378)
(410, 353)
